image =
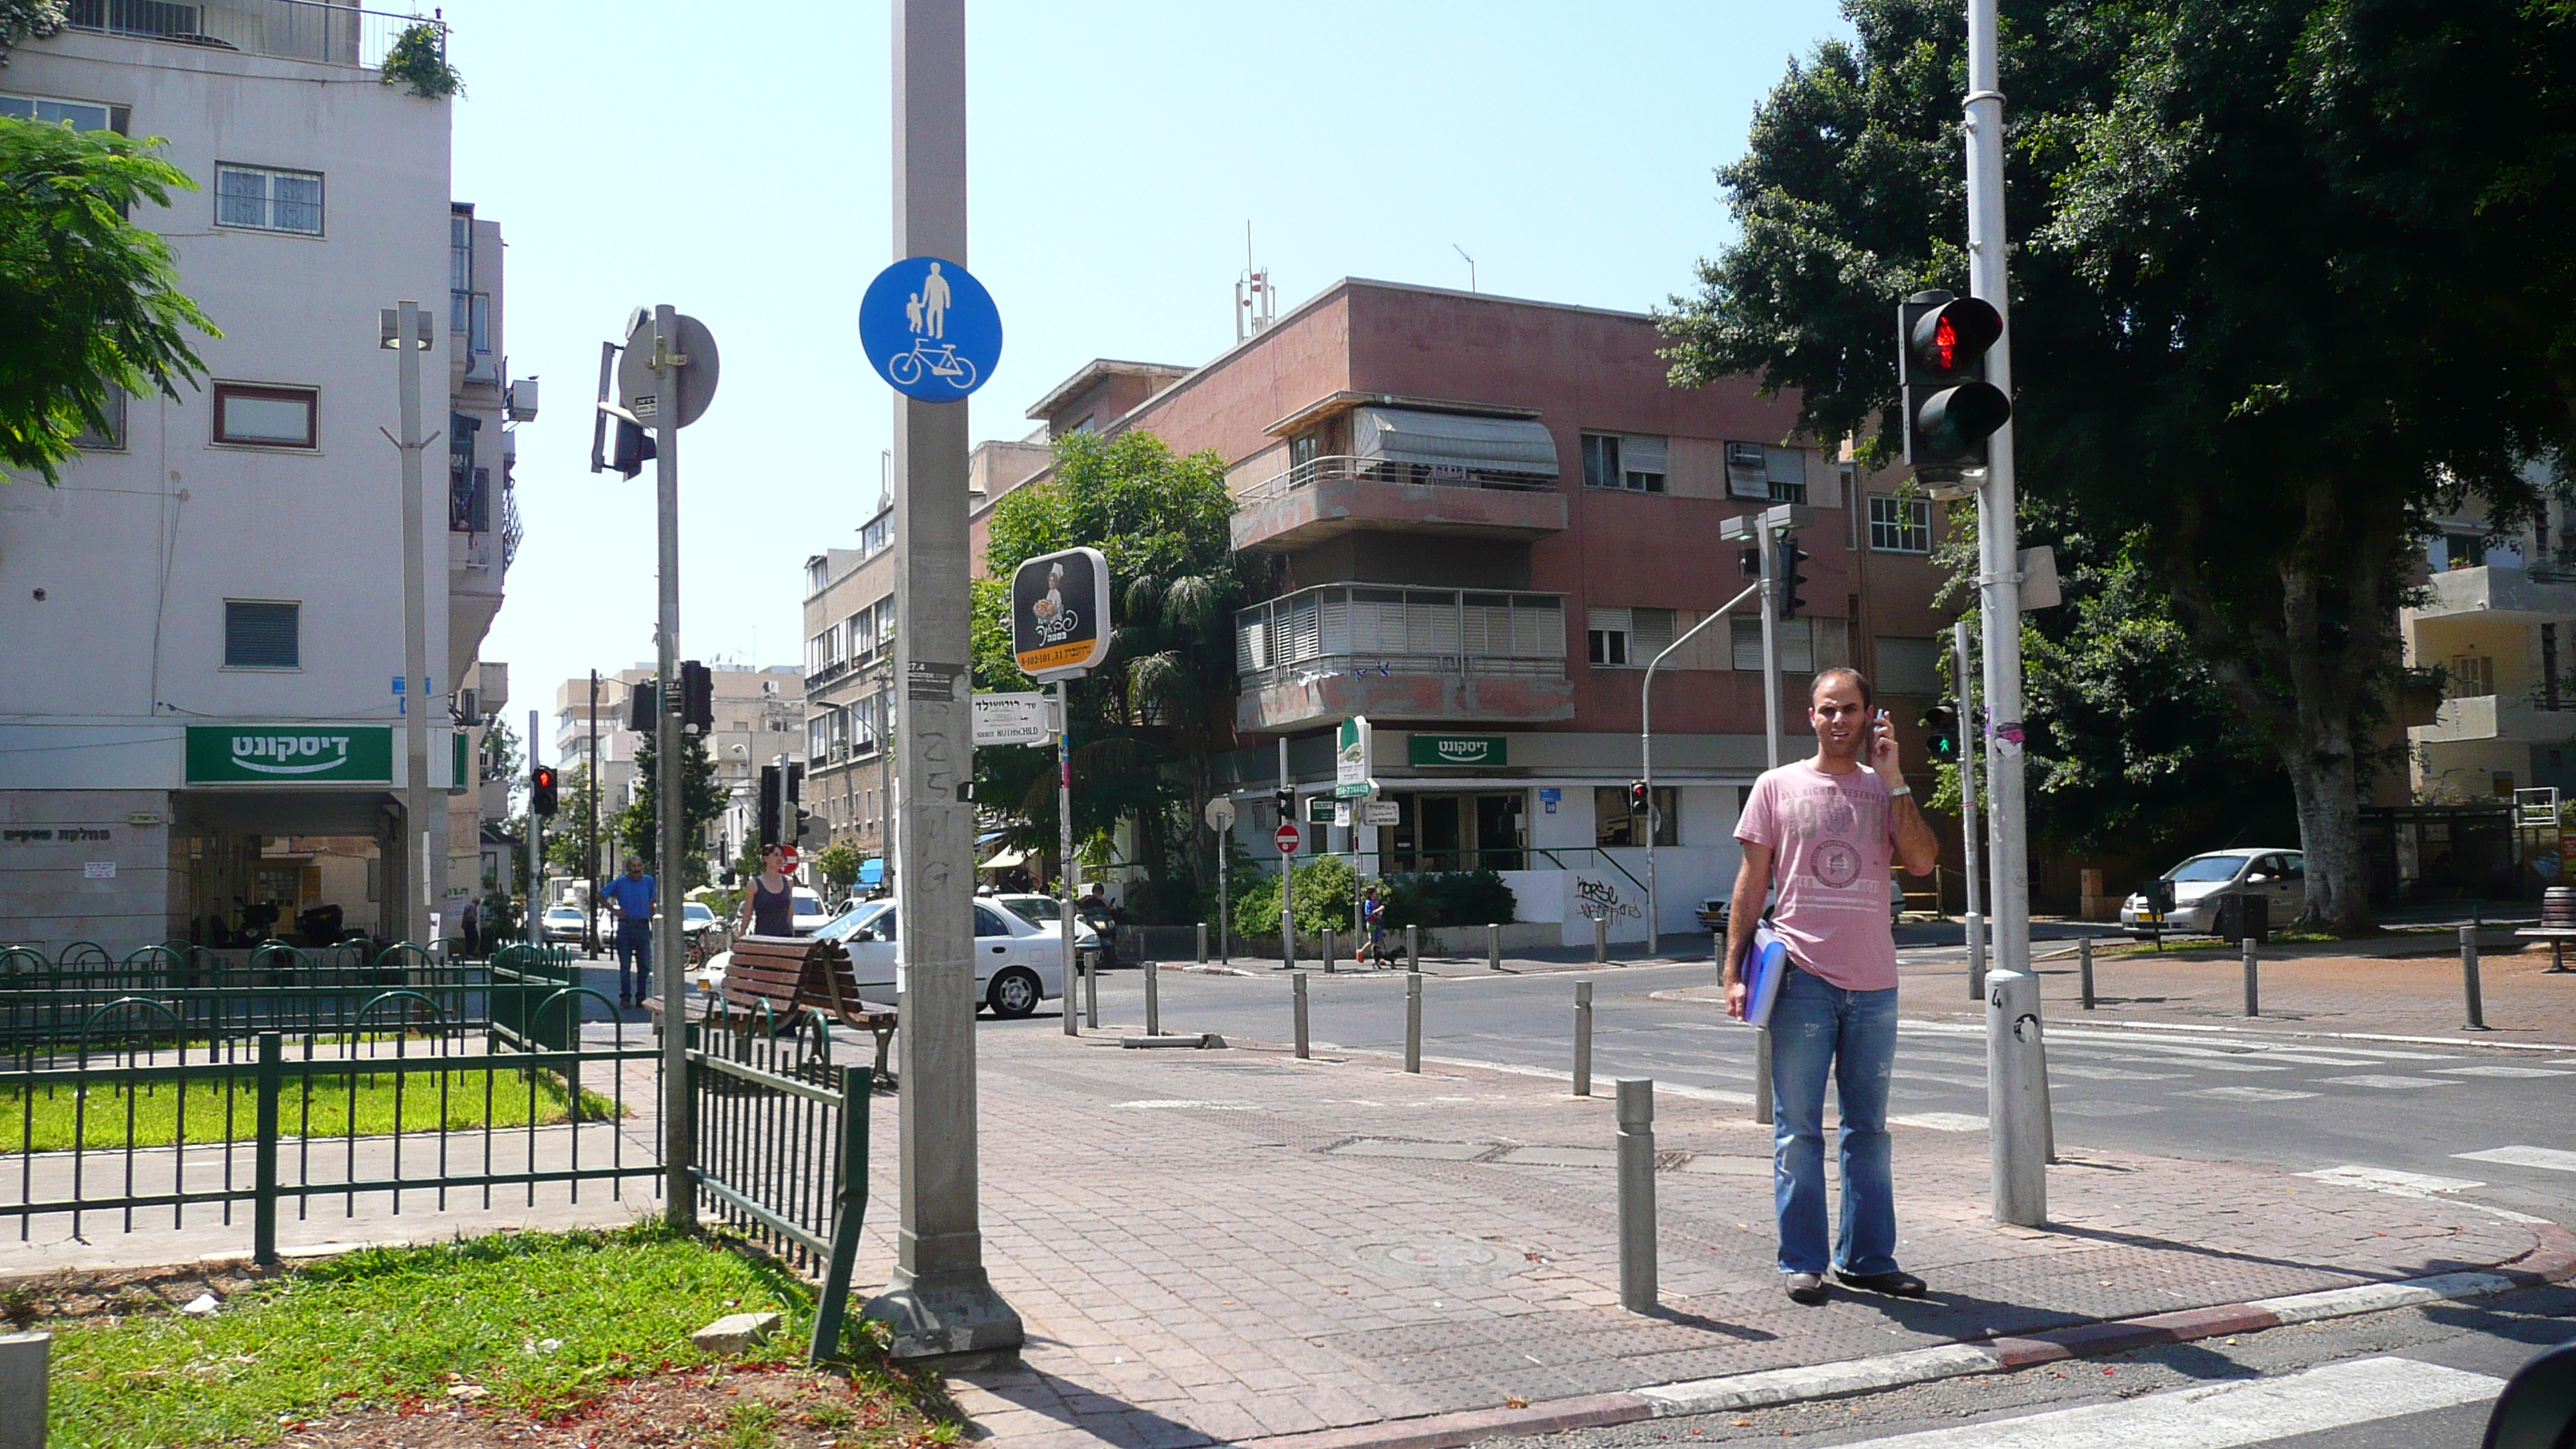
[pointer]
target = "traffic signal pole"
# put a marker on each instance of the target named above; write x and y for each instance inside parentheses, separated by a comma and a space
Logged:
(2015, 1074)
(1971, 849)
(679, 1179)
(536, 841)
(1646, 756)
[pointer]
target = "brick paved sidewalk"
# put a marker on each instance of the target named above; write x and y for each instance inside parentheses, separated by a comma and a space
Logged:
(2417, 995)
(1227, 1245)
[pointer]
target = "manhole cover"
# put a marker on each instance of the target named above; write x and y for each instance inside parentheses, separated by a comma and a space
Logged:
(1436, 1258)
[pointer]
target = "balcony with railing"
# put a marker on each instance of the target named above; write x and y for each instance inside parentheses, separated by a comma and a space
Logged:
(313, 30)
(1324, 497)
(1401, 654)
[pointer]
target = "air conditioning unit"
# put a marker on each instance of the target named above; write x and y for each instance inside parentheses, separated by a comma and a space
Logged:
(520, 398)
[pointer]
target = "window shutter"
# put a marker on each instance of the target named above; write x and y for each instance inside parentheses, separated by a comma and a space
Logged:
(1335, 623)
(1550, 617)
(1652, 633)
(1619, 621)
(1431, 623)
(261, 636)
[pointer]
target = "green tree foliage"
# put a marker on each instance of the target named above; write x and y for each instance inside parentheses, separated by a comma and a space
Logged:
(838, 865)
(702, 801)
(2281, 286)
(89, 301)
(1147, 724)
(501, 752)
(1326, 890)
(23, 20)
(418, 59)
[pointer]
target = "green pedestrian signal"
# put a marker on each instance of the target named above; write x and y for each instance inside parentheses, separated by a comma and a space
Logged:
(1941, 733)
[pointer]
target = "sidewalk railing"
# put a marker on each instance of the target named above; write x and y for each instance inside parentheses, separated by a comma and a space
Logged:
(137, 1115)
(781, 1153)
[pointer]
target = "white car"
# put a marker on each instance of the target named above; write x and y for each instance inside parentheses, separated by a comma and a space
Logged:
(810, 917)
(696, 919)
(1043, 912)
(1017, 965)
(2280, 875)
(563, 923)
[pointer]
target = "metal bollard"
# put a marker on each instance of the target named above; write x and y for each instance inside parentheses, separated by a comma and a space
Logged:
(1762, 1075)
(1600, 940)
(1297, 1006)
(1203, 943)
(1974, 935)
(1413, 948)
(2084, 970)
(1332, 946)
(1637, 1194)
(1413, 1021)
(1493, 947)
(2253, 982)
(2469, 978)
(23, 1393)
(1091, 995)
(1583, 1038)
(1153, 998)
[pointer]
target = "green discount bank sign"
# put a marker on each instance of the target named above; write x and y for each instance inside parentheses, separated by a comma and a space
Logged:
(290, 754)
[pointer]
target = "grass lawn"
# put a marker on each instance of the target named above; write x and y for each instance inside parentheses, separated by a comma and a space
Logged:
(537, 1325)
(97, 1115)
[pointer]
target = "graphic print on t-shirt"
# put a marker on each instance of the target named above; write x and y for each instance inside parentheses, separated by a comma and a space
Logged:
(1831, 853)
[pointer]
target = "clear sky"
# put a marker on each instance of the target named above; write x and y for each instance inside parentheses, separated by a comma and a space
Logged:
(732, 160)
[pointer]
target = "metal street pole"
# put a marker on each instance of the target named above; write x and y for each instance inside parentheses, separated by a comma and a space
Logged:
(1762, 1105)
(408, 320)
(679, 1182)
(590, 853)
(1971, 849)
(1646, 756)
(940, 1304)
(2015, 1075)
(536, 842)
(1288, 872)
(1064, 839)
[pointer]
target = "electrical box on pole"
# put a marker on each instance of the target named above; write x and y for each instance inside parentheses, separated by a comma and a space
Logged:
(643, 703)
(1950, 409)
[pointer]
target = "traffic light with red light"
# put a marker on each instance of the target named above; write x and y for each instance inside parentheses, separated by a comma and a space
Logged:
(1637, 797)
(1950, 408)
(541, 790)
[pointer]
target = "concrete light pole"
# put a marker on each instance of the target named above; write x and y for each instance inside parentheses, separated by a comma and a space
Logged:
(2016, 1083)
(940, 1304)
(406, 329)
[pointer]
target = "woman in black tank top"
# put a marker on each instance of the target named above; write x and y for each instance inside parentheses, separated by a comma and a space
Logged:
(770, 908)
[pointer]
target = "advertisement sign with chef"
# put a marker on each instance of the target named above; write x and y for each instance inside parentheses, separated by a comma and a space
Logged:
(1060, 613)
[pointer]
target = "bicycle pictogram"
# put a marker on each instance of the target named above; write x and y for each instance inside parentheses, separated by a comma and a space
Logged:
(906, 368)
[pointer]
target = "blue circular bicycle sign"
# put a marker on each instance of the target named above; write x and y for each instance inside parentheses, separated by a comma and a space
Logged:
(930, 329)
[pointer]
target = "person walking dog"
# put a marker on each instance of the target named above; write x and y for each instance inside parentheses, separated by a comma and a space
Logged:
(1823, 832)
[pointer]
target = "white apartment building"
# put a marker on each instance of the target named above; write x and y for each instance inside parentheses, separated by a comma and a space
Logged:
(203, 626)
(2498, 616)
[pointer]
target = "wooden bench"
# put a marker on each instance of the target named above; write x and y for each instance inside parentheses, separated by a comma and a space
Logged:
(792, 975)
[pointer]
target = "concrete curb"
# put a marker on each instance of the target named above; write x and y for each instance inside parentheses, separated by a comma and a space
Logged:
(2552, 1259)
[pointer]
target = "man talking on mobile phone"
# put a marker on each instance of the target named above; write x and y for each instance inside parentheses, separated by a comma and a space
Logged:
(1824, 831)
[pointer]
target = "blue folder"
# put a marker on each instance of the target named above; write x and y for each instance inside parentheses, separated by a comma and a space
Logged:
(1766, 965)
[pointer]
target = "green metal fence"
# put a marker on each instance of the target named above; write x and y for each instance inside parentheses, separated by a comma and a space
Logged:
(781, 1137)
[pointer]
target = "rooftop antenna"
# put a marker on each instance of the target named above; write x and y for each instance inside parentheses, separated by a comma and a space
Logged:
(1471, 265)
(1256, 302)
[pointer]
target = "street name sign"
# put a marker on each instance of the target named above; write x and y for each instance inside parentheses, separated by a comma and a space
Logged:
(1351, 761)
(930, 329)
(1013, 719)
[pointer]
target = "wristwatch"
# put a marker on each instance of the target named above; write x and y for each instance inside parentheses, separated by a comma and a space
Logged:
(1896, 790)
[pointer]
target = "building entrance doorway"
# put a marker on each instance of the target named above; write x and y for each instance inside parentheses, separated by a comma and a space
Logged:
(1463, 830)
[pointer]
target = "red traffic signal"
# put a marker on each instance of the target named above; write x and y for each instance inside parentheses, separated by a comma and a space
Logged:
(541, 790)
(1950, 409)
(1637, 796)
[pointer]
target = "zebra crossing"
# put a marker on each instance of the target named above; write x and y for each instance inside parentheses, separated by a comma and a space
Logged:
(2100, 1072)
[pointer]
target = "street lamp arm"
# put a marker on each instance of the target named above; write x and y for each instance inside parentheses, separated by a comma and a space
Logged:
(1646, 753)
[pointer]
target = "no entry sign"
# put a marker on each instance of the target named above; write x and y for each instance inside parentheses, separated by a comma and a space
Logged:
(1287, 838)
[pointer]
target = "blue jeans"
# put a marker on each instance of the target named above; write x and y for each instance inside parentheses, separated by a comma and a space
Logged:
(1815, 1027)
(634, 956)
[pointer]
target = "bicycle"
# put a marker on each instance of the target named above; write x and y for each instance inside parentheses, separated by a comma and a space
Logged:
(907, 368)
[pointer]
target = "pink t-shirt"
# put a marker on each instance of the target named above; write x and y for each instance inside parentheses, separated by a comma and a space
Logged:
(1832, 840)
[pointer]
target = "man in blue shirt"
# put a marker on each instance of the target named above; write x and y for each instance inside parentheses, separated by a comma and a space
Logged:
(634, 895)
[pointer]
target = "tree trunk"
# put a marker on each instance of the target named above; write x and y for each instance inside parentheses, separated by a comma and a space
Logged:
(2323, 781)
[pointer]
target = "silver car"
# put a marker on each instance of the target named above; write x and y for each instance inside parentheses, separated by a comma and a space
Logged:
(2278, 875)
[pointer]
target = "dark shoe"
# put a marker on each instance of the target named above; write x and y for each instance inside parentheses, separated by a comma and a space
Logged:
(1807, 1288)
(1895, 1285)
